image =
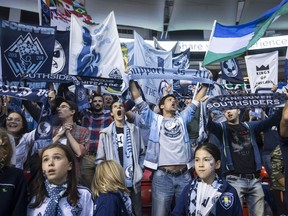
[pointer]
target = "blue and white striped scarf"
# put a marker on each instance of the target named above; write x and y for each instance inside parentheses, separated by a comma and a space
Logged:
(127, 154)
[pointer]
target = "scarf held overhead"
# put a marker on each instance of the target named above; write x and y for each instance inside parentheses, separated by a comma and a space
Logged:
(247, 101)
(202, 76)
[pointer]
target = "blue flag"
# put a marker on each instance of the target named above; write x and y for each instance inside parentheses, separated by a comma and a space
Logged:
(25, 49)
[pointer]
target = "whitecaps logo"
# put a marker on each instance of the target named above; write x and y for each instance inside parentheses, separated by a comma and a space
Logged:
(25, 55)
(230, 68)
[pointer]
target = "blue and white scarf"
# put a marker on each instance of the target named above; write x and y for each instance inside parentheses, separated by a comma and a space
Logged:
(127, 202)
(55, 193)
(217, 184)
(127, 154)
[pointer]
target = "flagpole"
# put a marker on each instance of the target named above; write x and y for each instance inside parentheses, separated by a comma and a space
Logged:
(211, 36)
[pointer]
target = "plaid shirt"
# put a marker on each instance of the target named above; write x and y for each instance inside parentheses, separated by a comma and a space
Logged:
(95, 123)
(80, 134)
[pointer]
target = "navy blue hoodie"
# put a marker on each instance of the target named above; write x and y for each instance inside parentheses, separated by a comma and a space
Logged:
(231, 208)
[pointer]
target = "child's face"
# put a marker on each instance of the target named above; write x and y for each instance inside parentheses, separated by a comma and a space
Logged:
(55, 165)
(205, 166)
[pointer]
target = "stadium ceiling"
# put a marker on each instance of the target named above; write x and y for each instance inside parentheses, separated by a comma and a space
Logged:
(171, 15)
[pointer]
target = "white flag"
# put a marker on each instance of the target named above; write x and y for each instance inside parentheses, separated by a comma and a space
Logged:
(262, 70)
(95, 50)
(146, 55)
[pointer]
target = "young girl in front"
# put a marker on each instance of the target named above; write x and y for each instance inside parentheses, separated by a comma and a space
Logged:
(109, 188)
(208, 193)
(54, 190)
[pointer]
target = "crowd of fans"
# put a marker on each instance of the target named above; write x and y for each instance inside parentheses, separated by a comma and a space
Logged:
(95, 162)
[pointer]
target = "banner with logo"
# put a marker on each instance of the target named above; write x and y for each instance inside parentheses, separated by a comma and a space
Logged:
(60, 61)
(231, 71)
(95, 51)
(262, 70)
(147, 56)
(25, 49)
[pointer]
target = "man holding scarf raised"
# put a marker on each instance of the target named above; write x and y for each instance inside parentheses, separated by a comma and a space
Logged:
(169, 151)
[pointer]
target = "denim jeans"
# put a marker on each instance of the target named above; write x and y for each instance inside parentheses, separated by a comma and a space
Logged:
(164, 188)
(252, 191)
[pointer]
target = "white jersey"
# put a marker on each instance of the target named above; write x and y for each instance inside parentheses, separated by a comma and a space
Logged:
(84, 206)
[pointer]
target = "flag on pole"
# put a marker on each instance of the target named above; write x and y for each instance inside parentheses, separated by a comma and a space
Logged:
(231, 71)
(95, 50)
(58, 13)
(262, 70)
(228, 42)
(157, 44)
(147, 56)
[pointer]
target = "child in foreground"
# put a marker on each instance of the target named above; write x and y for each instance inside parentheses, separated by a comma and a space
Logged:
(208, 194)
(54, 190)
(108, 186)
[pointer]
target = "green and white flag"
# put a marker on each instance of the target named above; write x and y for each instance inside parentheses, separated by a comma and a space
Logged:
(228, 42)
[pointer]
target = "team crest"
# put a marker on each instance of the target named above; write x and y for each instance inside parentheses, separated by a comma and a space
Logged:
(25, 55)
(81, 94)
(230, 68)
(43, 129)
(226, 200)
(115, 74)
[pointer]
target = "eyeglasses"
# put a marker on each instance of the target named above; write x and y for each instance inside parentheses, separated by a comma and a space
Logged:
(10, 119)
(64, 107)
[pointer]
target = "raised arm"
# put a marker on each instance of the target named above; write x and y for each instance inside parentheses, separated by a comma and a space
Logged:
(134, 90)
(201, 93)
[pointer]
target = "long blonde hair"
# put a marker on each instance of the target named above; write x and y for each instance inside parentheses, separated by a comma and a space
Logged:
(108, 177)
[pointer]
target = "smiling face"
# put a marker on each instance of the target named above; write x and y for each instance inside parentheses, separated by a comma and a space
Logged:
(14, 123)
(118, 112)
(205, 166)
(55, 165)
(232, 116)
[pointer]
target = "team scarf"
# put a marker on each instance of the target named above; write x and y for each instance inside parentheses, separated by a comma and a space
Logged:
(43, 133)
(127, 202)
(217, 184)
(65, 78)
(55, 193)
(139, 72)
(127, 153)
(245, 101)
